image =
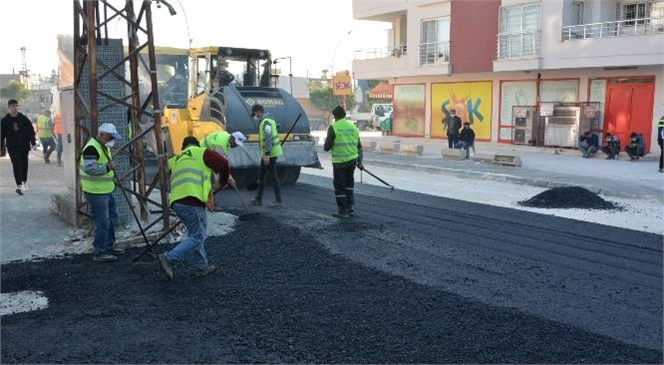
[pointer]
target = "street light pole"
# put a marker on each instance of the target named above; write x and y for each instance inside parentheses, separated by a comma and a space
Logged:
(334, 56)
(290, 70)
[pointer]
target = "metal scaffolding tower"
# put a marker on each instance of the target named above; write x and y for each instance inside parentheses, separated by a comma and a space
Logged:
(96, 92)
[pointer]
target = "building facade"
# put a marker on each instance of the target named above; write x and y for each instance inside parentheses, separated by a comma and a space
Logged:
(521, 71)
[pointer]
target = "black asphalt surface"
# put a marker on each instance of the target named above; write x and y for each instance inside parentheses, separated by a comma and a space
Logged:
(410, 279)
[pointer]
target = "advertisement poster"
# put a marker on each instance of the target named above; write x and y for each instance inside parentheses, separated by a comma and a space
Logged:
(408, 115)
(514, 93)
(563, 91)
(472, 102)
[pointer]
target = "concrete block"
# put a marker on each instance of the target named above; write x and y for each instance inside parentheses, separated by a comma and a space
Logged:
(451, 154)
(510, 160)
(390, 147)
(369, 145)
(412, 149)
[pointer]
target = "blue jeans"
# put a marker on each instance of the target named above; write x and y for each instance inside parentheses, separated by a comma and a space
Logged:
(105, 218)
(195, 219)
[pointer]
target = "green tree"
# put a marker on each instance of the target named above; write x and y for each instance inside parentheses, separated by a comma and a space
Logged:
(14, 90)
(321, 96)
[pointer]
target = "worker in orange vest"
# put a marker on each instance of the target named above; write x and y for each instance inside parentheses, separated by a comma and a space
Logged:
(57, 130)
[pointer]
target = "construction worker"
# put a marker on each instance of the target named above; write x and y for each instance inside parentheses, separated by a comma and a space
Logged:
(45, 134)
(343, 139)
(660, 141)
(222, 141)
(57, 129)
(17, 137)
(191, 185)
(270, 150)
(98, 183)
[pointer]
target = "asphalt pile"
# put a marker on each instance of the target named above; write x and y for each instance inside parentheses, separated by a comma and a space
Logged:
(568, 197)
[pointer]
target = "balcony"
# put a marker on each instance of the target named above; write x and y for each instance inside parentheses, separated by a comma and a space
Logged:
(620, 28)
(437, 53)
(518, 45)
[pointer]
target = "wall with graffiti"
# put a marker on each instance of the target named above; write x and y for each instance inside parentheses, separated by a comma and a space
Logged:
(408, 118)
(472, 102)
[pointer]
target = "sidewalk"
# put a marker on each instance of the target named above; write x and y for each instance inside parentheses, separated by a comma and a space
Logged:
(541, 166)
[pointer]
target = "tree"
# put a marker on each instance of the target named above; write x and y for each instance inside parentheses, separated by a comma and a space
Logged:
(321, 96)
(15, 90)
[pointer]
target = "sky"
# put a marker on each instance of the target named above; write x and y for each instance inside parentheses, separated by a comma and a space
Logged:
(316, 34)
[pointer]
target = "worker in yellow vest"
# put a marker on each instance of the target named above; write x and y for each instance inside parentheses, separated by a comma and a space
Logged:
(270, 150)
(98, 183)
(191, 184)
(343, 139)
(45, 134)
(222, 141)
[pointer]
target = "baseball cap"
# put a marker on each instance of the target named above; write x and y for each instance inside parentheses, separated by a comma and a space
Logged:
(109, 128)
(239, 138)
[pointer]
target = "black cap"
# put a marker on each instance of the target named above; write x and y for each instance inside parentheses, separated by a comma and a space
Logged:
(339, 112)
(189, 141)
(256, 108)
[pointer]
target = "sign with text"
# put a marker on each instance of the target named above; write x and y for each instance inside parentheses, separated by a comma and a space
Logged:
(342, 85)
(471, 101)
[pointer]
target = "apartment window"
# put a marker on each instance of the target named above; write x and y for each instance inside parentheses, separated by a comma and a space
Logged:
(434, 41)
(576, 13)
(634, 11)
(519, 31)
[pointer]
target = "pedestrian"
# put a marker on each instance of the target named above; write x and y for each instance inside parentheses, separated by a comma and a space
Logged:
(17, 137)
(191, 185)
(466, 140)
(98, 183)
(452, 124)
(660, 141)
(222, 141)
(270, 150)
(343, 139)
(588, 144)
(57, 129)
(46, 135)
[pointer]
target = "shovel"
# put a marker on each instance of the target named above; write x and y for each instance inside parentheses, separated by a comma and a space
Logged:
(379, 179)
(249, 215)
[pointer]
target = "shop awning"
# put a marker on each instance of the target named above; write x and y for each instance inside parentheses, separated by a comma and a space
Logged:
(382, 91)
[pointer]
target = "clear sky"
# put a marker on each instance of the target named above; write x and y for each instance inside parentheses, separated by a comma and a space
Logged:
(314, 33)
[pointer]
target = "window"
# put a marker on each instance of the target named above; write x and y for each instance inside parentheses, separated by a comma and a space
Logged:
(576, 13)
(519, 31)
(634, 11)
(434, 41)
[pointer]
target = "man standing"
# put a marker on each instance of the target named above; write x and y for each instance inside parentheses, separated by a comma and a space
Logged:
(45, 134)
(221, 141)
(270, 149)
(452, 124)
(343, 138)
(98, 183)
(57, 129)
(660, 141)
(17, 136)
(191, 184)
(588, 144)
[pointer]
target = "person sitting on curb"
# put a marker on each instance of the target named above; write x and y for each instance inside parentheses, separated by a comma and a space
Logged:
(611, 146)
(588, 144)
(635, 146)
(466, 140)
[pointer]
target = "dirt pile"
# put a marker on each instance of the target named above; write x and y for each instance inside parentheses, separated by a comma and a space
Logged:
(568, 197)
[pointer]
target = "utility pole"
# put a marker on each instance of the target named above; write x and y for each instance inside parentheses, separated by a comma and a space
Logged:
(24, 72)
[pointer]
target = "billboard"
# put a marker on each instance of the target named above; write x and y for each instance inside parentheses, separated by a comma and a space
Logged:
(408, 117)
(472, 102)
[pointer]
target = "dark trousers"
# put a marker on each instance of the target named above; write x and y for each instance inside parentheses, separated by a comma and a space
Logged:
(48, 146)
(661, 154)
(58, 149)
(344, 185)
(452, 139)
(19, 161)
(262, 178)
